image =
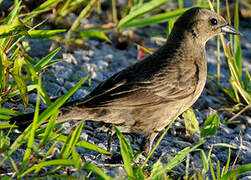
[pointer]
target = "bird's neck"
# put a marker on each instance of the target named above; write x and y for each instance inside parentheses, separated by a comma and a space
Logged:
(181, 36)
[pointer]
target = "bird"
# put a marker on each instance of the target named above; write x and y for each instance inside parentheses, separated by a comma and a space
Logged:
(144, 97)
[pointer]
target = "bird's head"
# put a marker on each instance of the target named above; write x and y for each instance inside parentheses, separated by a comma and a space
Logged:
(202, 24)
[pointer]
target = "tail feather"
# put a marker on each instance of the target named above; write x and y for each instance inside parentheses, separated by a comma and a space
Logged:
(22, 121)
(70, 112)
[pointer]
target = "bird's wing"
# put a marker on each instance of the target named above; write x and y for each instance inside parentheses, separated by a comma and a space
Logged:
(135, 87)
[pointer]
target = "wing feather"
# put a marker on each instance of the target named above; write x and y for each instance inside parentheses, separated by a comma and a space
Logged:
(128, 89)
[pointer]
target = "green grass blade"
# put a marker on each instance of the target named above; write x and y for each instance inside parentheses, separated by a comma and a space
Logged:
(12, 163)
(44, 34)
(237, 46)
(63, 10)
(248, 81)
(4, 142)
(43, 62)
(145, 8)
(80, 143)
(97, 170)
(92, 33)
(210, 163)
(178, 158)
(218, 45)
(246, 96)
(138, 173)
(83, 14)
(159, 18)
(60, 162)
(49, 152)
(67, 7)
(17, 92)
(7, 30)
(204, 160)
(229, 93)
(5, 63)
(225, 145)
(49, 128)
(28, 58)
(170, 26)
(13, 14)
(218, 170)
(71, 142)
(43, 7)
(9, 112)
(126, 153)
(32, 133)
(1, 72)
(4, 116)
(5, 124)
(90, 146)
(34, 78)
(180, 4)
(15, 54)
(16, 73)
(212, 170)
(56, 176)
(237, 171)
(218, 60)
(156, 168)
(76, 157)
(228, 161)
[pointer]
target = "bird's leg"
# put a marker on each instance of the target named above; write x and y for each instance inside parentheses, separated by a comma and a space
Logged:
(134, 139)
(109, 135)
(146, 144)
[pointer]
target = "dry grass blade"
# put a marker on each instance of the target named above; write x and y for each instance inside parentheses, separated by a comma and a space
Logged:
(248, 107)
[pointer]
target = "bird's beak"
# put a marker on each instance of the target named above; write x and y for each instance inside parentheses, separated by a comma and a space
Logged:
(229, 30)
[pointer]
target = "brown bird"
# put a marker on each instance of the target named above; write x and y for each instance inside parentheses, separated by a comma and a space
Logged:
(146, 96)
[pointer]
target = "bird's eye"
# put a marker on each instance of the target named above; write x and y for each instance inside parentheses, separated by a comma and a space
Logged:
(213, 21)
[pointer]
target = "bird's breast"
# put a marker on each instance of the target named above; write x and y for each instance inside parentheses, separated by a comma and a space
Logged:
(202, 76)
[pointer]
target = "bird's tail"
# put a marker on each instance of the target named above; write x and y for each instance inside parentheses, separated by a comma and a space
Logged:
(66, 113)
(69, 111)
(22, 121)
